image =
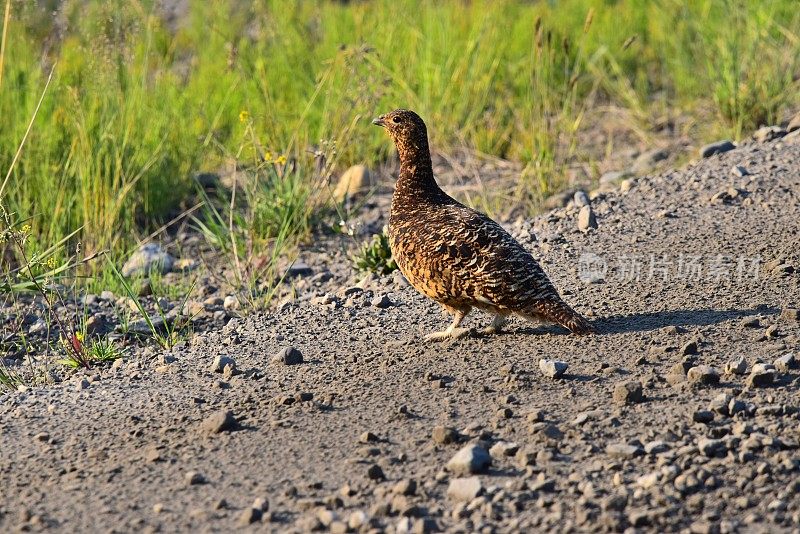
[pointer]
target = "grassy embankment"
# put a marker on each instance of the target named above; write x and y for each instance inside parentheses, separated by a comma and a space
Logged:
(138, 105)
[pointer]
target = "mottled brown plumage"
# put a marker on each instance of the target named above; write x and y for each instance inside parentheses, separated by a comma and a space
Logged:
(457, 256)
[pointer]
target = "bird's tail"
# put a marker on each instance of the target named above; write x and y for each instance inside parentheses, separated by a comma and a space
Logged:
(558, 311)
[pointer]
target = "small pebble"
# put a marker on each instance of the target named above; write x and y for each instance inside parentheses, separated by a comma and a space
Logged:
(655, 447)
(735, 406)
(152, 454)
(720, 403)
(357, 519)
(470, 460)
(382, 302)
(689, 348)
(737, 366)
(626, 185)
(552, 368)
(407, 486)
(444, 435)
(368, 437)
(288, 356)
(464, 489)
(581, 198)
(785, 363)
(772, 331)
(231, 303)
(586, 219)
(194, 478)
(751, 322)
(326, 517)
(761, 376)
(739, 171)
(712, 447)
(502, 449)
(220, 421)
(505, 413)
(221, 361)
(375, 472)
(718, 147)
(629, 392)
(791, 314)
(703, 374)
(623, 450)
(249, 516)
(703, 416)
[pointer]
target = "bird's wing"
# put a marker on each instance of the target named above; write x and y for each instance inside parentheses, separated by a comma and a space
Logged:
(489, 263)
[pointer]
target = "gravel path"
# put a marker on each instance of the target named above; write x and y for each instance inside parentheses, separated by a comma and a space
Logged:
(333, 414)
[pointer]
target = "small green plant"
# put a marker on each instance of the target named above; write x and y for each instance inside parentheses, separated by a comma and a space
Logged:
(376, 256)
(104, 350)
(9, 378)
(33, 274)
(164, 329)
(93, 350)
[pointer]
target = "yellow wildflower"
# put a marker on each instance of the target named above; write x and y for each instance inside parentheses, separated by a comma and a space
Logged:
(26, 228)
(268, 156)
(281, 160)
(244, 115)
(80, 336)
(51, 262)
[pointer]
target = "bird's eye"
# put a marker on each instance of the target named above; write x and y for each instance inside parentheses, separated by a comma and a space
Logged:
(396, 120)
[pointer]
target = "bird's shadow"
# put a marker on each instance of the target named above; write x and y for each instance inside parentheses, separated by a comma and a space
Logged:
(644, 322)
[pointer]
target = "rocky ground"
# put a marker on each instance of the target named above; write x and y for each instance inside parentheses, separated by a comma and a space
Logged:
(332, 413)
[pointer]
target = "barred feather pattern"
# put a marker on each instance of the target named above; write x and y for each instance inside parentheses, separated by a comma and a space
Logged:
(456, 255)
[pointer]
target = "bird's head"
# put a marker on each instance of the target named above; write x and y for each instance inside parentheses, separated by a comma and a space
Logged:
(408, 132)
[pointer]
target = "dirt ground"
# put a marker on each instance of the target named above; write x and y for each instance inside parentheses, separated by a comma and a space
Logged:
(665, 421)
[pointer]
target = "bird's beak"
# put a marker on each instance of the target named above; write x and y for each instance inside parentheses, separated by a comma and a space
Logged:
(379, 121)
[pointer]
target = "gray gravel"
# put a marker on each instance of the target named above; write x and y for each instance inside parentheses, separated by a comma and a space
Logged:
(667, 268)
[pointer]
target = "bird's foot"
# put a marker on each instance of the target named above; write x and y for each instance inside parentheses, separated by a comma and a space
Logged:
(490, 330)
(494, 328)
(450, 333)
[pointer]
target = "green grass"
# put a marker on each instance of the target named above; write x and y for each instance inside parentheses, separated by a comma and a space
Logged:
(9, 378)
(94, 350)
(136, 107)
(375, 256)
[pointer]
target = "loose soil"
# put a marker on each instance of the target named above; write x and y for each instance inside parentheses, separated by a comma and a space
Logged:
(692, 267)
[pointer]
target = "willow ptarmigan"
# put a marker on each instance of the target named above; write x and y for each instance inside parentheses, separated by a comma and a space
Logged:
(456, 256)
